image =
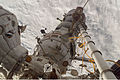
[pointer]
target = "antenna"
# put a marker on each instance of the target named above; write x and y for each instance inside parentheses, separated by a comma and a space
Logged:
(86, 3)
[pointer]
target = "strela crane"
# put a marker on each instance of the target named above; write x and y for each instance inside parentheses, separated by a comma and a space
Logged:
(53, 53)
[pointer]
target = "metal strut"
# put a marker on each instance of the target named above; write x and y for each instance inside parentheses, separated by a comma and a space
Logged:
(102, 66)
(86, 3)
